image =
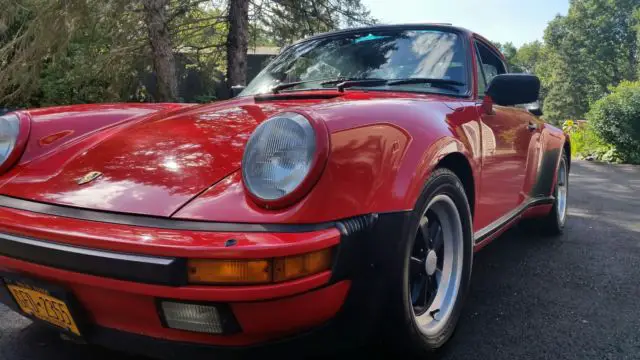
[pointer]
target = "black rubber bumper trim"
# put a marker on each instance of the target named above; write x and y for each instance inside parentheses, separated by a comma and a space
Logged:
(486, 232)
(154, 221)
(130, 267)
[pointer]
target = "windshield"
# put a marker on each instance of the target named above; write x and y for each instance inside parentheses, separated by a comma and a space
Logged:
(385, 54)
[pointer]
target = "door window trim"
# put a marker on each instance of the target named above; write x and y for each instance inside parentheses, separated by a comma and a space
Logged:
(477, 41)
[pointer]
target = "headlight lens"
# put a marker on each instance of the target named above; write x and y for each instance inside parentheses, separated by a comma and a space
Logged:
(9, 128)
(279, 156)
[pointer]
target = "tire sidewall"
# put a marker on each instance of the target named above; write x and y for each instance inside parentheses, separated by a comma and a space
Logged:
(442, 181)
(560, 223)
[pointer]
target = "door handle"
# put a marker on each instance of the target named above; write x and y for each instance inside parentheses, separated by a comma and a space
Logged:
(532, 127)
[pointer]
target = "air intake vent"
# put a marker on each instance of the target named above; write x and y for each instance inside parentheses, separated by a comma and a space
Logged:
(356, 224)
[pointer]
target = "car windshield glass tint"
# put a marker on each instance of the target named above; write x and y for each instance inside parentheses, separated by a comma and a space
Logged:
(389, 55)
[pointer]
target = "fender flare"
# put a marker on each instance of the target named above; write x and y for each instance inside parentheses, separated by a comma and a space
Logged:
(433, 157)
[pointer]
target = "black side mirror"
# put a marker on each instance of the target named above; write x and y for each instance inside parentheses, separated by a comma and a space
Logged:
(236, 90)
(514, 89)
(534, 108)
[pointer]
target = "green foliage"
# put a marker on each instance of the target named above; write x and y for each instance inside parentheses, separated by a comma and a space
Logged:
(75, 51)
(616, 119)
(591, 48)
(586, 143)
(285, 21)
(529, 56)
(510, 53)
(80, 51)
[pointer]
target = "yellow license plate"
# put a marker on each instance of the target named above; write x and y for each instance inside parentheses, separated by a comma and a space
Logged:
(44, 307)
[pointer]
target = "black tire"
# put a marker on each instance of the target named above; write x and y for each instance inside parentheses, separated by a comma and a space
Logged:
(402, 327)
(554, 223)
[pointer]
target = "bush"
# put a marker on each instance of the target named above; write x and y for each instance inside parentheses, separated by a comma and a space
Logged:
(616, 120)
(586, 143)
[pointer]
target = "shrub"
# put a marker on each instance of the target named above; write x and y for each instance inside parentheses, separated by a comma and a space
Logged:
(586, 143)
(616, 120)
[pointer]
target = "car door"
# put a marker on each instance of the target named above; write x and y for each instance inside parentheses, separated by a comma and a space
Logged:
(505, 139)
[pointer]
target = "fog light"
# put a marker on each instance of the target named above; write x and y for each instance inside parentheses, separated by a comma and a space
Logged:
(192, 317)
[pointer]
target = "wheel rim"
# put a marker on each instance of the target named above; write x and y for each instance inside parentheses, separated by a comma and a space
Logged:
(562, 190)
(435, 266)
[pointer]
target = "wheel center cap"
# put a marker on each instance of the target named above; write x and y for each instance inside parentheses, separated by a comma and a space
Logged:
(431, 263)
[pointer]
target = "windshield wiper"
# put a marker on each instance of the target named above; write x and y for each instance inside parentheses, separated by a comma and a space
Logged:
(344, 83)
(441, 83)
(324, 82)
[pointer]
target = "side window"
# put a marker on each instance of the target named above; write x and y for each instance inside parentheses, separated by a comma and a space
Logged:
(482, 85)
(491, 63)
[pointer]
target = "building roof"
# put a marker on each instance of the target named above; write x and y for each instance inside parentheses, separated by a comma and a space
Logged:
(264, 50)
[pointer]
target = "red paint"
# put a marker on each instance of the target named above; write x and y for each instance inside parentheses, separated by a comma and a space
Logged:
(50, 139)
(162, 242)
(79, 120)
(300, 311)
(131, 307)
(506, 150)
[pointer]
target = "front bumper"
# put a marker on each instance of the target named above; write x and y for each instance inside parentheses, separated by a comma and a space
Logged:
(118, 280)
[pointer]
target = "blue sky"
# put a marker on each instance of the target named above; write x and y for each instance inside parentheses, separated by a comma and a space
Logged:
(517, 21)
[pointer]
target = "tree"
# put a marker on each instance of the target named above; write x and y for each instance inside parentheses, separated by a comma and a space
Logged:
(593, 47)
(237, 42)
(510, 53)
(58, 52)
(156, 18)
(529, 56)
(285, 21)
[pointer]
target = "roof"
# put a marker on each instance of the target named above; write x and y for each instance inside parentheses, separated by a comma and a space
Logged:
(442, 26)
(436, 26)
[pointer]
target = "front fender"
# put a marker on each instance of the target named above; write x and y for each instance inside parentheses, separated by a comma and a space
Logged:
(377, 163)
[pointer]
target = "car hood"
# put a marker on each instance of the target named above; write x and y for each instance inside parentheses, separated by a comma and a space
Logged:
(151, 165)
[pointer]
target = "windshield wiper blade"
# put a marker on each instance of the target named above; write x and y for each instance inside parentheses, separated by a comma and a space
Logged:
(322, 82)
(279, 87)
(344, 83)
(347, 83)
(441, 83)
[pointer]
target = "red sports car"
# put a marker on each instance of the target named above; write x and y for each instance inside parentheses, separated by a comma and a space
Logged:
(339, 197)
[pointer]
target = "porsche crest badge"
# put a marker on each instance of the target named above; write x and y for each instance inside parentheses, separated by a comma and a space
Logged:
(89, 177)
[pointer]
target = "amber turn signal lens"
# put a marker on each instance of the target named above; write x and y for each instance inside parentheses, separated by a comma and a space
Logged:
(210, 271)
(293, 267)
(203, 271)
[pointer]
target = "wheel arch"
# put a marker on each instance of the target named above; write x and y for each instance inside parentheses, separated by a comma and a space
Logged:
(452, 154)
(567, 150)
(460, 166)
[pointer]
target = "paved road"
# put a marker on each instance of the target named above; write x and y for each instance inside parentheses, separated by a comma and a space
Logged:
(570, 297)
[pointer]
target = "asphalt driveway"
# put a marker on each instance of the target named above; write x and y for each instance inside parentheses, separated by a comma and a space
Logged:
(570, 297)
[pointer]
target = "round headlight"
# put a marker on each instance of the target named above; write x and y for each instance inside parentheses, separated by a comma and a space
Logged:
(9, 130)
(280, 156)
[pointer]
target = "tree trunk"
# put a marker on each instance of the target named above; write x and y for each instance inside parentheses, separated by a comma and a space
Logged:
(164, 64)
(237, 42)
